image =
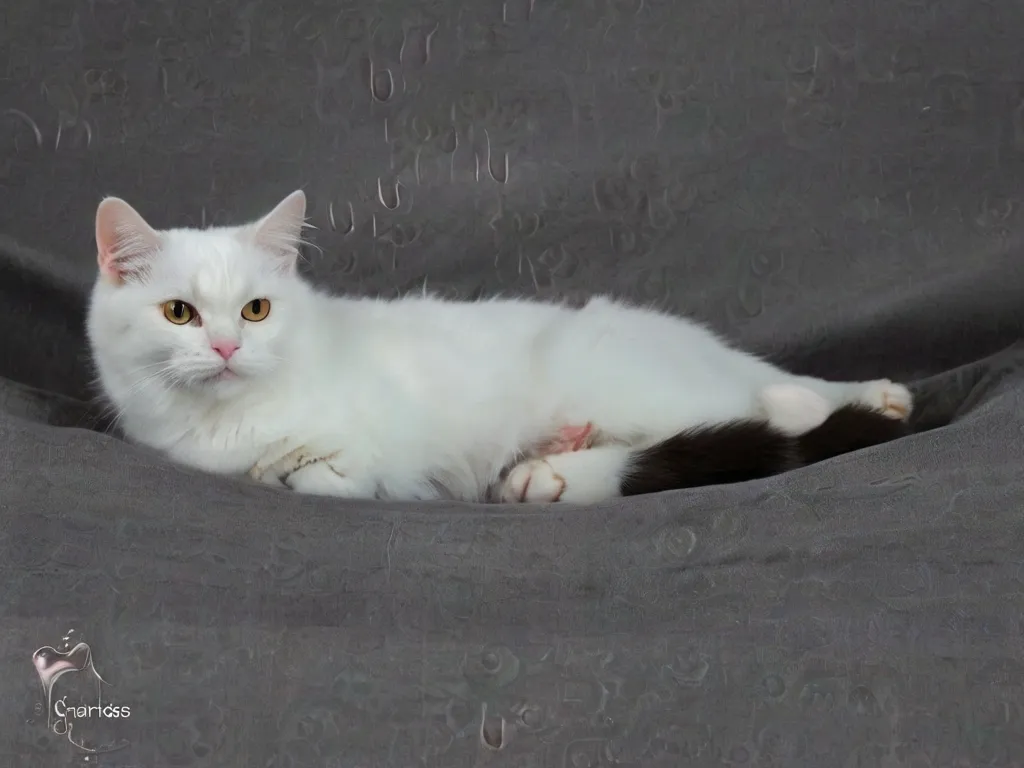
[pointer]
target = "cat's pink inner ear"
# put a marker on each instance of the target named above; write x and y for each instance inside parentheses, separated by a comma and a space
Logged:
(280, 231)
(124, 241)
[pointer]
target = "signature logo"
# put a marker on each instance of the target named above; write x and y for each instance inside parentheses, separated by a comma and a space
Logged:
(73, 657)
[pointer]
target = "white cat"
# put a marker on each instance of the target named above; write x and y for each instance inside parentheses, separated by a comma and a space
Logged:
(214, 350)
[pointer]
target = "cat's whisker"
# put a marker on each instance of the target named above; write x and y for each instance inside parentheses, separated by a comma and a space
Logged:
(309, 244)
(140, 384)
(284, 241)
(137, 388)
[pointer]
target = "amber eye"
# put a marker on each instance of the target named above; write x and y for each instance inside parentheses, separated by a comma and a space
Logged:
(179, 313)
(256, 310)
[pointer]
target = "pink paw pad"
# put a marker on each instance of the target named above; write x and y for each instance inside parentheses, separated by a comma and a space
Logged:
(569, 440)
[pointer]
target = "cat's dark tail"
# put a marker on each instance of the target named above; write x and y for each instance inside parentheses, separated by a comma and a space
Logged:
(748, 450)
(849, 429)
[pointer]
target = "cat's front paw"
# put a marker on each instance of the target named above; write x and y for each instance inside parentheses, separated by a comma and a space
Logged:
(319, 478)
(891, 399)
(277, 462)
(533, 481)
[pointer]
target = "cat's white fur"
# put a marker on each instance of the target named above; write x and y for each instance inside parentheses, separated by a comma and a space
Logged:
(413, 398)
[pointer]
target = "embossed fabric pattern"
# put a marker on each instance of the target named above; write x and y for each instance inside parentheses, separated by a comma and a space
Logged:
(835, 184)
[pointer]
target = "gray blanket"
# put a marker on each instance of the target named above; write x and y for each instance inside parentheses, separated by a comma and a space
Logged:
(836, 184)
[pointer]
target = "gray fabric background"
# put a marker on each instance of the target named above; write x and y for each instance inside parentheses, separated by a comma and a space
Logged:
(835, 183)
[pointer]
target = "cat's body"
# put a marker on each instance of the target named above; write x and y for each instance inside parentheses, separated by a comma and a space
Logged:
(413, 398)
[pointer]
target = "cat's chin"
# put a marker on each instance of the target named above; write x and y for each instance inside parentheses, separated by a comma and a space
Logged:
(220, 384)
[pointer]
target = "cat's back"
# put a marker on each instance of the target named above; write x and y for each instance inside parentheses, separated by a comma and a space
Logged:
(428, 366)
(456, 332)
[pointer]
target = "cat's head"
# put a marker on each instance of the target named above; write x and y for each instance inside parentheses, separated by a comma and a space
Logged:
(207, 311)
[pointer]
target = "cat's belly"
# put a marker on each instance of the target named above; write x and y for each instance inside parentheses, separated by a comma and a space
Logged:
(435, 442)
(454, 459)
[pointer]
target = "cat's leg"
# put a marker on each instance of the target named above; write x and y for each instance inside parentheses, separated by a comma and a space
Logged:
(887, 397)
(580, 477)
(277, 459)
(304, 470)
(321, 478)
(790, 408)
(640, 375)
(793, 409)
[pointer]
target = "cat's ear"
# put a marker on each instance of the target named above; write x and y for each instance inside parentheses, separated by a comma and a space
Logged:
(280, 231)
(124, 241)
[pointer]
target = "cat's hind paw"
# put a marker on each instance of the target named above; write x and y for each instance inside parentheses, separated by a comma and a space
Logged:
(532, 481)
(890, 399)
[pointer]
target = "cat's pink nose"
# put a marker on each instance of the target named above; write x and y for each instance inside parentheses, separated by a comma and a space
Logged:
(224, 348)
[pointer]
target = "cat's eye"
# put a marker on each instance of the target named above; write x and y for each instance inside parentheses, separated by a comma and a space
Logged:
(179, 312)
(256, 310)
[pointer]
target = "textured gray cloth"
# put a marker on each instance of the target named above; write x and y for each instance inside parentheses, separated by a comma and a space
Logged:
(834, 183)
